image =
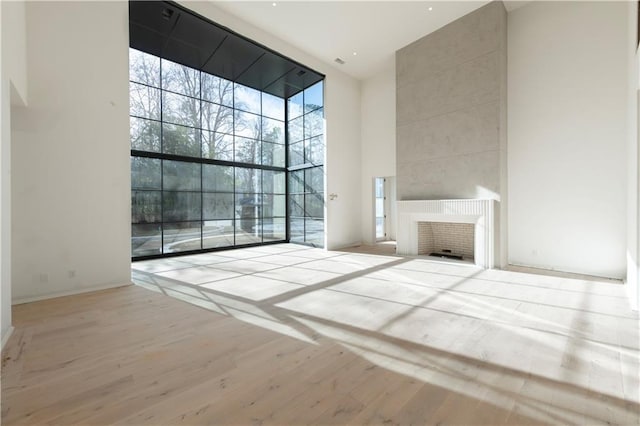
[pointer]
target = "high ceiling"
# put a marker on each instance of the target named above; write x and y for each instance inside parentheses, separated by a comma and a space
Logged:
(373, 30)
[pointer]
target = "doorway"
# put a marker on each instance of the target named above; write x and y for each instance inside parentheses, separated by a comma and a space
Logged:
(384, 206)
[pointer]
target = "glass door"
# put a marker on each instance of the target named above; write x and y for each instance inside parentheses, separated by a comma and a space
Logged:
(381, 229)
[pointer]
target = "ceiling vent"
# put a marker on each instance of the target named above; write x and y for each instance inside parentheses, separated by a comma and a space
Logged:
(339, 61)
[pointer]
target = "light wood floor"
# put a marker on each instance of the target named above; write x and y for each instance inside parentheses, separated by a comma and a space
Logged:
(291, 335)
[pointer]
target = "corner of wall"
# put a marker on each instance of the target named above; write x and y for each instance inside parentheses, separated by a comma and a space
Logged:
(633, 160)
(503, 256)
(13, 91)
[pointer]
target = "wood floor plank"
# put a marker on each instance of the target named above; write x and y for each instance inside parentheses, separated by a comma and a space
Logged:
(395, 341)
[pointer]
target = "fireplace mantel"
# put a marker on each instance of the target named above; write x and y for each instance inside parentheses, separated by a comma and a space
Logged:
(479, 212)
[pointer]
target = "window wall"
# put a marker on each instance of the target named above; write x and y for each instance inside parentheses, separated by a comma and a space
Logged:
(208, 166)
(306, 147)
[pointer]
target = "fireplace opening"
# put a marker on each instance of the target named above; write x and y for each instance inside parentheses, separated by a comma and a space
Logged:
(446, 254)
(446, 240)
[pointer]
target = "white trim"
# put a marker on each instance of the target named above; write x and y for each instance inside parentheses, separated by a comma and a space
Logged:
(5, 338)
(29, 299)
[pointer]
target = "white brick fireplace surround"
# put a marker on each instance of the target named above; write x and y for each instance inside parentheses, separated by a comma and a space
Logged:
(481, 213)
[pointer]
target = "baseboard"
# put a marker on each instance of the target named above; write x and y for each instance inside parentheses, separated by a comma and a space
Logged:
(517, 267)
(29, 299)
(5, 338)
(346, 246)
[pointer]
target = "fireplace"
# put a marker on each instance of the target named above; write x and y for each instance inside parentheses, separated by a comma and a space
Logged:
(447, 240)
(459, 218)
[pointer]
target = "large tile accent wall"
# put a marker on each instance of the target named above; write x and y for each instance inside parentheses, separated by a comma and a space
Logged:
(451, 112)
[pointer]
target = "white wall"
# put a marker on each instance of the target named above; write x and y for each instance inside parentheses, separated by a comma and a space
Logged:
(71, 183)
(567, 117)
(342, 114)
(13, 92)
(633, 237)
(342, 169)
(378, 121)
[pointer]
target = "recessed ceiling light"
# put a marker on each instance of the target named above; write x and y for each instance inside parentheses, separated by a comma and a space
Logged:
(355, 53)
(430, 8)
(274, 4)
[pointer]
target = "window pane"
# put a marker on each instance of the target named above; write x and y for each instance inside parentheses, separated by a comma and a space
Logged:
(145, 173)
(217, 206)
(314, 205)
(296, 205)
(144, 68)
(216, 118)
(380, 207)
(296, 130)
(216, 89)
(296, 229)
(146, 206)
(248, 205)
(247, 150)
(247, 125)
(314, 123)
(217, 178)
(274, 205)
(314, 228)
(181, 176)
(144, 101)
(247, 99)
(180, 79)
(296, 151)
(248, 231)
(146, 240)
(295, 105)
(379, 227)
(180, 109)
(273, 182)
(217, 233)
(272, 130)
(272, 106)
(248, 180)
(180, 140)
(273, 154)
(296, 182)
(379, 187)
(181, 237)
(274, 229)
(314, 150)
(145, 134)
(248, 213)
(181, 206)
(313, 97)
(217, 146)
(314, 179)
